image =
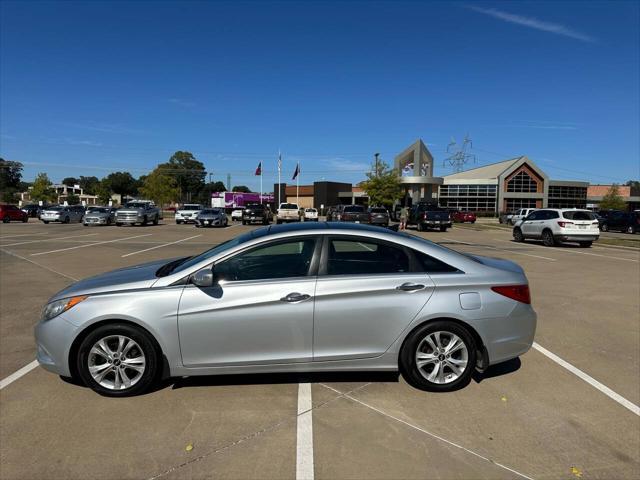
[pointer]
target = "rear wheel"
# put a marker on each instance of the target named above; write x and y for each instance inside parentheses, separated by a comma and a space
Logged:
(631, 229)
(517, 235)
(604, 227)
(118, 360)
(547, 238)
(585, 244)
(438, 357)
(6, 219)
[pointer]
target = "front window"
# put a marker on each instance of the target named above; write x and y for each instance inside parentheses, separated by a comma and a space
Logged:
(362, 257)
(99, 210)
(192, 207)
(280, 259)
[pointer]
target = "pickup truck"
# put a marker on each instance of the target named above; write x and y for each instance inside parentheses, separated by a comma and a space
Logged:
(138, 211)
(288, 212)
(354, 213)
(256, 212)
(428, 215)
(188, 213)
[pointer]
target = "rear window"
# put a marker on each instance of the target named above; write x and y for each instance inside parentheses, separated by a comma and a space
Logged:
(354, 209)
(378, 210)
(191, 207)
(578, 215)
(289, 206)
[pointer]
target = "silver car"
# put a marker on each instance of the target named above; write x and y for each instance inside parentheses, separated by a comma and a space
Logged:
(62, 214)
(211, 217)
(304, 297)
(99, 216)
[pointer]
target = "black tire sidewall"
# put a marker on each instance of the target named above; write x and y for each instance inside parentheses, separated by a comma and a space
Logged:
(407, 357)
(143, 339)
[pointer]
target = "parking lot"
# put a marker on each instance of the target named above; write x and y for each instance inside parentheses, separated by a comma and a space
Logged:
(566, 409)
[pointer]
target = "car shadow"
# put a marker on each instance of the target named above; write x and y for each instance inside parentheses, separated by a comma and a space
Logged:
(504, 368)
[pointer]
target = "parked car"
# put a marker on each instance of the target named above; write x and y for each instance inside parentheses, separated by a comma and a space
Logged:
(425, 215)
(333, 213)
(460, 216)
(211, 217)
(520, 214)
(62, 214)
(288, 212)
(354, 213)
(505, 217)
(256, 212)
(236, 215)
(99, 216)
(188, 213)
(10, 213)
(310, 215)
(379, 216)
(33, 210)
(620, 221)
(306, 297)
(138, 211)
(556, 225)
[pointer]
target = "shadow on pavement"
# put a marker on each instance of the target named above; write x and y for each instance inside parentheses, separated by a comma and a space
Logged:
(498, 370)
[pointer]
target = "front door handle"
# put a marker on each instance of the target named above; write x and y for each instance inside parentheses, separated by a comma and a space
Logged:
(295, 297)
(410, 287)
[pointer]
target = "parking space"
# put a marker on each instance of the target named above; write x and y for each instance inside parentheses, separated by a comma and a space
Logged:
(530, 418)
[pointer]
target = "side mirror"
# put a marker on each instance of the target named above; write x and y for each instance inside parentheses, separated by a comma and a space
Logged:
(203, 278)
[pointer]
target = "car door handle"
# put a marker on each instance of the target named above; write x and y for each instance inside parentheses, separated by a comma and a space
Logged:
(295, 297)
(410, 287)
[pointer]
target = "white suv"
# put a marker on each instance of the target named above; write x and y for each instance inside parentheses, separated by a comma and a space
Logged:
(554, 225)
(520, 214)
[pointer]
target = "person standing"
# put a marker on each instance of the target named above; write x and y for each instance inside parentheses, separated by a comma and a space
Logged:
(404, 213)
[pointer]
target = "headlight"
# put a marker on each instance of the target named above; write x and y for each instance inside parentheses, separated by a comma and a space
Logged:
(53, 309)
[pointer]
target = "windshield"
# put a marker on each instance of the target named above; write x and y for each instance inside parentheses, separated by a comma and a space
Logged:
(135, 205)
(212, 252)
(289, 206)
(354, 209)
(192, 207)
(98, 210)
(56, 209)
(210, 211)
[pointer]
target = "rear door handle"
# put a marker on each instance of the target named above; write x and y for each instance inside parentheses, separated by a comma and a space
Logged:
(295, 297)
(410, 287)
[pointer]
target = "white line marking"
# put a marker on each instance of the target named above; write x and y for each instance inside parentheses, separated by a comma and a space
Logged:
(499, 249)
(560, 250)
(46, 240)
(304, 443)
(38, 265)
(89, 245)
(16, 375)
(160, 246)
(23, 235)
(590, 380)
(433, 435)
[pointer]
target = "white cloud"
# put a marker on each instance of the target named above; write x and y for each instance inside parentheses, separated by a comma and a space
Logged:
(534, 23)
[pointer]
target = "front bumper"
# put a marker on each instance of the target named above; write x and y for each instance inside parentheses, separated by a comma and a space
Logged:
(95, 221)
(209, 222)
(53, 343)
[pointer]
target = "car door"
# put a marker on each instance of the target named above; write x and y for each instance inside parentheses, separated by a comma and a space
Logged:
(259, 311)
(367, 293)
(531, 224)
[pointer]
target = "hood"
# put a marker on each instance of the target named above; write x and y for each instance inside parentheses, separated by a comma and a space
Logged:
(131, 209)
(499, 263)
(129, 278)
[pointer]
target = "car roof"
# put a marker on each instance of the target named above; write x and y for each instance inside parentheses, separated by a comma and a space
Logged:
(303, 227)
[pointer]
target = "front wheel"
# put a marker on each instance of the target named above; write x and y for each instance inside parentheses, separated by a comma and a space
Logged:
(517, 235)
(46, 222)
(631, 229)
(25, 219)
(585, 244)
(438, 357)
(155, 221)
(66, 220)
(118, 360)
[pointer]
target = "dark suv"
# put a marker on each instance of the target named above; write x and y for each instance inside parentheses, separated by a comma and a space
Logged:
(379, 216)
(256, 212)
(619, 221)
(428, 215)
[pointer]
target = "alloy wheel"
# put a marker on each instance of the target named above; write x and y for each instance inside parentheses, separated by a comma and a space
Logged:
(116, 362)
(441, 357)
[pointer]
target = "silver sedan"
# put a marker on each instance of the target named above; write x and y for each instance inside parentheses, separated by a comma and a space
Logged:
(306, 297)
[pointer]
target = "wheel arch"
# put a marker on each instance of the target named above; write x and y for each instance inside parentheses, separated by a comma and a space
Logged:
(75, 345)
(483, 354)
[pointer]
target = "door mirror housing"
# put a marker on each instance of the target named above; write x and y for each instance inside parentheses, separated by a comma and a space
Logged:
(203, 278)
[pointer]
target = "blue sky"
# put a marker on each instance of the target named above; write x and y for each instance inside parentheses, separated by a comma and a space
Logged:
(88, 87)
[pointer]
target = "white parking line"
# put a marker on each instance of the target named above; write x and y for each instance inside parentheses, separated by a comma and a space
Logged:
(590, 380)
(422, 430)
(16, 375)
(499, 249)
(565, 250)
(304, 442)
(46, 240)
(160, 246)
(22, 235)
(89, 245)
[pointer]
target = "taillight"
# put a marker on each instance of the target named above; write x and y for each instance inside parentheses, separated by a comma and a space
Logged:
(564, 224)
(519, 293)
(424, 216)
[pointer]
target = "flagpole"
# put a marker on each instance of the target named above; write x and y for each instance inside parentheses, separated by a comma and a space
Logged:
(298, 185)
(279, 169)
(261, 169)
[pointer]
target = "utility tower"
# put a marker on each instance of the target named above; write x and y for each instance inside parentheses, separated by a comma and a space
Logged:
(459, 154)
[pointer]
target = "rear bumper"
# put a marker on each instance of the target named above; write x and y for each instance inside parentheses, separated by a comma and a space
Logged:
(435, 223)
(577, 238)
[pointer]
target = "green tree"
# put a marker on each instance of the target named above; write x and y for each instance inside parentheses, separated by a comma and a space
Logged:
(10, 180)
(103, 192)
(89, 185)
(42, 189)
(241, 188)
(188, 172)
(205, 194)
(382, 185)
(635, 186)
(612, 199)
(73, 199)
(122, 183)
(160, 188)
(70, 181)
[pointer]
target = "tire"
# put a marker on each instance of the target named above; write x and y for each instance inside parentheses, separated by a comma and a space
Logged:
(604, 227)
(517, 235)
(25, 219)
(443, 379)
(144, 348)
(585, 244)
(6, 220)
(46, 222)
(443, 229)
(144, 221)
(547, 238)
(118, 224)
(631, 229)
(278, 222)
(156, 220)
(243, 222)
(178, 222)
(420, 227)
(66, 220)
(108, 222)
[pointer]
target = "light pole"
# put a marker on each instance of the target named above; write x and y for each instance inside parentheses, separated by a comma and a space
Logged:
(376, 155)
